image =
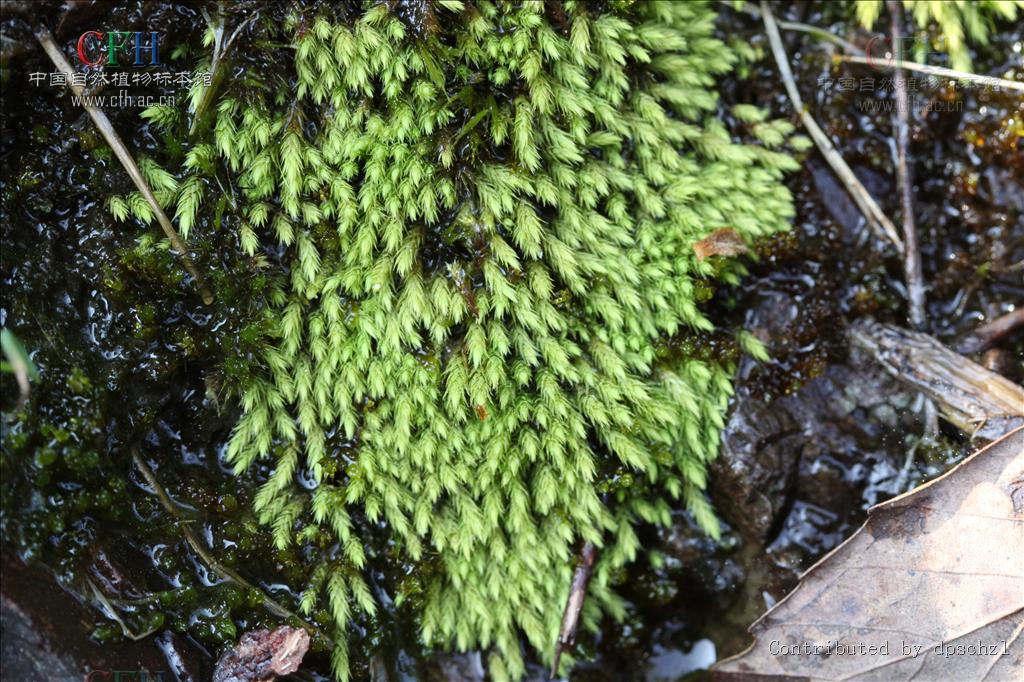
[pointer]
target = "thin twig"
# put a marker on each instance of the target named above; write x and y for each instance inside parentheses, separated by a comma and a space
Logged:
(905, 179)
(574, 604)
(880, 63)
(207, 94)
(904, 475)
(109, 607)
(204, 553)
(990, 333)
(220, 49)
(877, 221)
(856, 55)
(110, 135)
(817, 32)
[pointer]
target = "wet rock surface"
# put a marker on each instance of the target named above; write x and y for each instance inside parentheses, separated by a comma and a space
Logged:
(467, 667)
(838, 431)
(20, 637)
(752, 479)
(46, 636)
(795, 476)
(841, 207)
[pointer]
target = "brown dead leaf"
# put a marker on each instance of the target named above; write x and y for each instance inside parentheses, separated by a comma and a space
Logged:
(724, 241)
(263, 655)
(930, 588)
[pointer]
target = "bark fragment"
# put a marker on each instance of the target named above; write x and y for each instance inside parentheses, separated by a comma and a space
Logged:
(263, 655)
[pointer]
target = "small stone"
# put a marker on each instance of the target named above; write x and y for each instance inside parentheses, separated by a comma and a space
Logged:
(263, 655)
(752, 476)
(885, 414)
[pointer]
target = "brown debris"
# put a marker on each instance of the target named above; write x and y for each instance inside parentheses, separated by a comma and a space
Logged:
(263, 655)
(724, 241)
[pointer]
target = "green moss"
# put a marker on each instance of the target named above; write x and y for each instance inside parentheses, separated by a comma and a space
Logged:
(487, 213)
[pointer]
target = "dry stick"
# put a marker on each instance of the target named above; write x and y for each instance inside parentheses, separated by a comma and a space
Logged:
(971, 397)
(817, 32)
(990, 333)
(574, 605)
(220, 48)
(932, 71)
(204, 98)
(228, 574)
(905, 179)
(877, 221)
(110, 135)
(858, 56)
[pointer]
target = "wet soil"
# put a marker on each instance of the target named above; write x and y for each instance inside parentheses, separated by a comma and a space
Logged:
(130, 358)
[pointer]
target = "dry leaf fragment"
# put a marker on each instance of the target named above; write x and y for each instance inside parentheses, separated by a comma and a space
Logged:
(724, 241)
(930, 588)
(262, 655)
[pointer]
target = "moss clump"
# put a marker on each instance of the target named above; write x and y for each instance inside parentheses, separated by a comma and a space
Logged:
(485, 212)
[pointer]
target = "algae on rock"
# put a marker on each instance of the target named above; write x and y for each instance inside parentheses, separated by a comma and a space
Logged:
(486, 214)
